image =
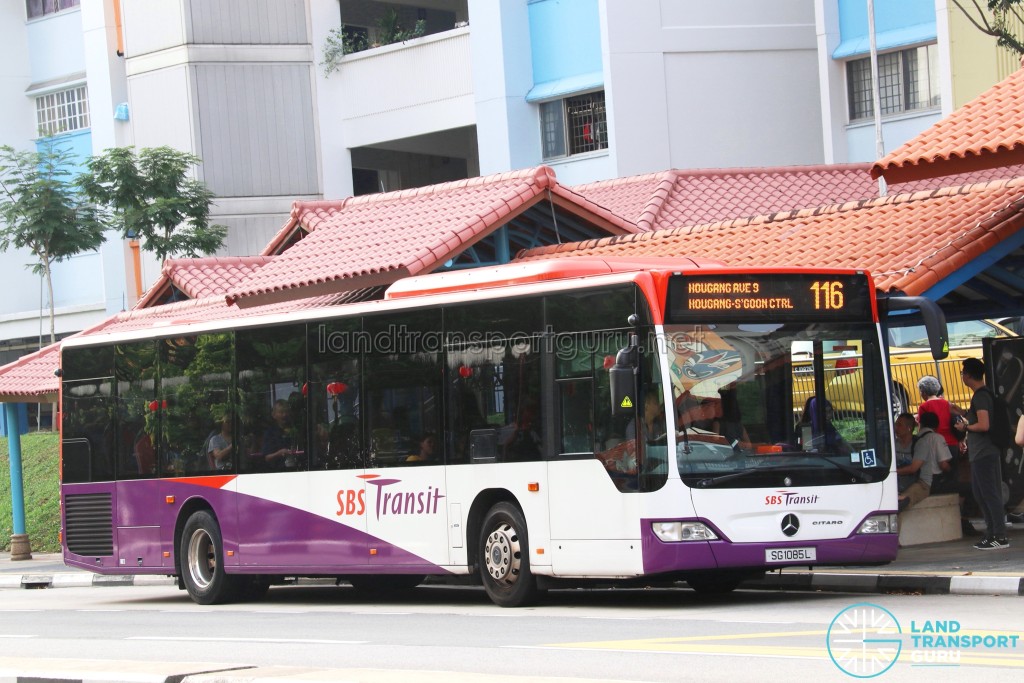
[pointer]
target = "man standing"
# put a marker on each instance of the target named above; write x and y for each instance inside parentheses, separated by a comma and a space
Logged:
(986, 477)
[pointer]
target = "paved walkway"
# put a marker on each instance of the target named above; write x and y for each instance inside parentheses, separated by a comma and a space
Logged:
(937, 568)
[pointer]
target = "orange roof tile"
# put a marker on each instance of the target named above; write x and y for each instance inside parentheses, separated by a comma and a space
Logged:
(675, 198)
(201, 277)
(986, 132)
(30, 379)
(377, 239)
(908, 241)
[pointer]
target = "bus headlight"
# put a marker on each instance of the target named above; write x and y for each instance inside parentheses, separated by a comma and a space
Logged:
(880, 524)
(675, 532)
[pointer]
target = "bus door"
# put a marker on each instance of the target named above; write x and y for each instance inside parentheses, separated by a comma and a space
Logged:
(406, 502)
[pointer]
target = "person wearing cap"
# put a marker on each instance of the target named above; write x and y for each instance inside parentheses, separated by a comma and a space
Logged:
(986, 477)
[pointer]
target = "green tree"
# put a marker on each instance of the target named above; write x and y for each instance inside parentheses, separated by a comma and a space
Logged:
(150, 196)
(43, 211)
(1000, 19)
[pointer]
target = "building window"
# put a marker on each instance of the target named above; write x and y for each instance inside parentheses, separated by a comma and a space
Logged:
(37, 8)
(574, 125)
(62, 111)
(908, 80)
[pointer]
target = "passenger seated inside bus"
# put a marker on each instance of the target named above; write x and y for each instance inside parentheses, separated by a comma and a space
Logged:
(625, 457)
(278, 450)
(428, 449)
(144, 453)
(219, 447)
(522, 440)
(653, 424)
(690, 419)
(729, 423)
(815, 435)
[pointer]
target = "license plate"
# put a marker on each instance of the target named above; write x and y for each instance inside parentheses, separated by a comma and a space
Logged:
(790, 555)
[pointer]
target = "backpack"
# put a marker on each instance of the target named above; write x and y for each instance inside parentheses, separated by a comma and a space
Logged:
(999, 430)
(954, 420)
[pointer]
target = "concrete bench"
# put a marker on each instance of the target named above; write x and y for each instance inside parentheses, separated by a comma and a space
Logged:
(934, 519)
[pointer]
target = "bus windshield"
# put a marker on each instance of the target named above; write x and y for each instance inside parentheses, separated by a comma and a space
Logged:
(753, 398)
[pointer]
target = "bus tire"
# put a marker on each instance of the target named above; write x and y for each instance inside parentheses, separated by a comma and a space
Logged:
(504, 557)
(202, 565)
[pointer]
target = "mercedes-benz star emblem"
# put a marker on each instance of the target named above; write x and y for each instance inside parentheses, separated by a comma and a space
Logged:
(790, 525)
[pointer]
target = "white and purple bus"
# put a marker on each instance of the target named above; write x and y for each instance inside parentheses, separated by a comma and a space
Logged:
(526, 426)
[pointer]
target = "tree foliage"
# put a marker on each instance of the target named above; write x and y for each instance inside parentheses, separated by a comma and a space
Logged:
(43, 212)
(150, 196)
(1000, 19)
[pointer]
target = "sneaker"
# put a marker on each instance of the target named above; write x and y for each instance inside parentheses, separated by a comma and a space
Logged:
(993, 544)
(1015, 518)
(983, 544)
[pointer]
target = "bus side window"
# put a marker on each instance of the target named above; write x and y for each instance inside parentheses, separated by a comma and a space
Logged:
(576, 404)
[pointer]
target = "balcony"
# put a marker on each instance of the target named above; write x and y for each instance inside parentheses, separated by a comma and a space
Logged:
(403, 90)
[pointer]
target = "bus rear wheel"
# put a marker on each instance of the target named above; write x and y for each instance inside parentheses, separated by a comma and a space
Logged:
(504, 557)
(202, 565)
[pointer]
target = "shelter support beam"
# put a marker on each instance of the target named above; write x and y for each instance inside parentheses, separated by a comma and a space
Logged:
(20, 548)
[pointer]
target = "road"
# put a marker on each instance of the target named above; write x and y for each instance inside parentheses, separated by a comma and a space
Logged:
(622, 635)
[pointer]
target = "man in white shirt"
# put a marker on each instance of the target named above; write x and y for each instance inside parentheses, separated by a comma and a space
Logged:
(931, 456)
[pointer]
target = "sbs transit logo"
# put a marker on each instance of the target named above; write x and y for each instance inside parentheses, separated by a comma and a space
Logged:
(388, 502)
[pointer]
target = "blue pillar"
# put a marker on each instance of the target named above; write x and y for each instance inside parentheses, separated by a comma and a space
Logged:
(20, 549)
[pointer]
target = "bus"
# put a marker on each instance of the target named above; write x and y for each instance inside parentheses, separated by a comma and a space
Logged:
(524, 426)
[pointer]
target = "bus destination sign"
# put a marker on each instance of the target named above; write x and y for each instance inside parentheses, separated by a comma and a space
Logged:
(768, 296)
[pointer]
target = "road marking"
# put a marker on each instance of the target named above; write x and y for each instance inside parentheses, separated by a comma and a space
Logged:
(729, 645)
(204, 639)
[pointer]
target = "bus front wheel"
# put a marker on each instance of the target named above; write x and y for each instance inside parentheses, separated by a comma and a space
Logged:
(202, 565)
(504, 557)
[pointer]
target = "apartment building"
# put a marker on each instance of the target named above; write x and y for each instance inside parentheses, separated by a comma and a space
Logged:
(438, 90)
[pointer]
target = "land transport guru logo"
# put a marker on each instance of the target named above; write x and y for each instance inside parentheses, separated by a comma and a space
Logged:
(865, 640)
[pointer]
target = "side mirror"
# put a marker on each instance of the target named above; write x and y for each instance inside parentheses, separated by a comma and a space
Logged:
(934, 321)
(622, 379)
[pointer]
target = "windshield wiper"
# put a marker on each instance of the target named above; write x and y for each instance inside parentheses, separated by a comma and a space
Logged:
(858, 473)
(714, 481)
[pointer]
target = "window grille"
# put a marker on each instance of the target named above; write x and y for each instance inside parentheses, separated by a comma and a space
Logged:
(908, 80)
(37, 8)
(62, 111)
(574, 125)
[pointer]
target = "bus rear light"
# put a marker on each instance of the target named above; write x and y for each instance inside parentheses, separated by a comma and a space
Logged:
(676, 532)
(880, 524)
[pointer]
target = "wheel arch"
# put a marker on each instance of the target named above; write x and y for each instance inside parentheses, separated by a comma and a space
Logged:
(484, 501)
